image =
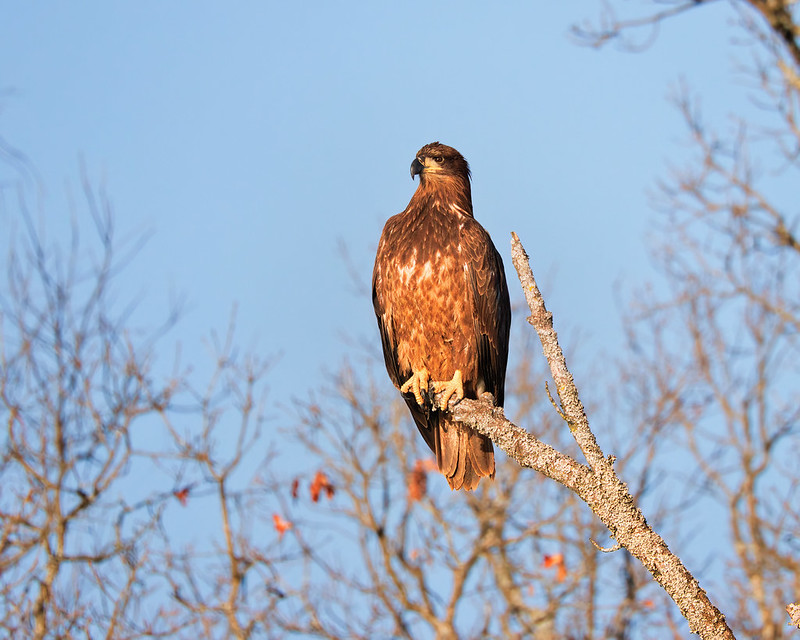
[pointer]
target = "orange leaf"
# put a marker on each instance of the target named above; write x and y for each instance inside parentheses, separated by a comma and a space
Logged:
(319, 483)
(417, 482)
(552, 561)
(281, 525)
(556, 560)
(182, 495)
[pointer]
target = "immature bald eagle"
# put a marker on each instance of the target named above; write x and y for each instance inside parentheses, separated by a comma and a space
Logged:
(441, 299)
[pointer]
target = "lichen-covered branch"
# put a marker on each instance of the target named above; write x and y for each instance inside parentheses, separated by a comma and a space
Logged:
(542, 320)
(597, 484)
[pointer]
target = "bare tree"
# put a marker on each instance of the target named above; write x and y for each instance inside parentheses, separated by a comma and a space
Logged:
(75, 391)
(99, 459)
(394, 553)
(729, 331)
(718, 350)
(227, 583)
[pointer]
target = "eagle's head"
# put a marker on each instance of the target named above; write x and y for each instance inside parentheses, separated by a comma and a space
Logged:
(435, 161)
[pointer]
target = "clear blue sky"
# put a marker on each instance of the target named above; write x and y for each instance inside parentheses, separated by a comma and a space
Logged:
(251, 137)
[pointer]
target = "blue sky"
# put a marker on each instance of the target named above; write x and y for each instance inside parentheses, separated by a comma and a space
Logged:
(250, 139)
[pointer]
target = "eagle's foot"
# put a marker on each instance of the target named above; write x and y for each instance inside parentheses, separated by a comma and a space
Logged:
(417, 383)
(449, 388)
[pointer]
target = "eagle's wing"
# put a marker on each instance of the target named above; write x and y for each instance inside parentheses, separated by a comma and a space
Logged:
(383, 314)
(492, 318)
(424, 418)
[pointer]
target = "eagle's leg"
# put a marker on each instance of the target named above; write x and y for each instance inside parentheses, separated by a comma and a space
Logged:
(448, 388)
(417, 383)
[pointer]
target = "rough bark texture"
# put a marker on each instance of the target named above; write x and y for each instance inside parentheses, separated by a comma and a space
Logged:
(596, 483)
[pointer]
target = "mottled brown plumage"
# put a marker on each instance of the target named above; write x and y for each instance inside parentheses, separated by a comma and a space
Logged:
(440, 296)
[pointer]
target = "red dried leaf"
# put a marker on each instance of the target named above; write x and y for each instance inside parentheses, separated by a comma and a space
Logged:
(281, 525)
(552, 561)
(295, 487)
(182, 495)
(556, 560)
(417, 481)
(320, 483)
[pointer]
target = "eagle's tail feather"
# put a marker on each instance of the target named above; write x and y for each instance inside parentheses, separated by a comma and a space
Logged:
(463, 455)
(481, 454)
(447, 446)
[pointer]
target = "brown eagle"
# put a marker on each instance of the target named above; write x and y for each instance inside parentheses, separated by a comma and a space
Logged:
(440, 295)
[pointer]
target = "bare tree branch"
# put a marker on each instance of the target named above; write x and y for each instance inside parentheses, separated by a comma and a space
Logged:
(597, 485)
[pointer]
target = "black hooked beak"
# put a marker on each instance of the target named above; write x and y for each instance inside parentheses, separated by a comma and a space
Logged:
(416, 168)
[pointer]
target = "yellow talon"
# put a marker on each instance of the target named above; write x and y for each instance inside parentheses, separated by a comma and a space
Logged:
(448, 388)
(417, 383)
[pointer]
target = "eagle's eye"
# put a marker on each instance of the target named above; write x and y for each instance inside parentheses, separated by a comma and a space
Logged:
(438, 159)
